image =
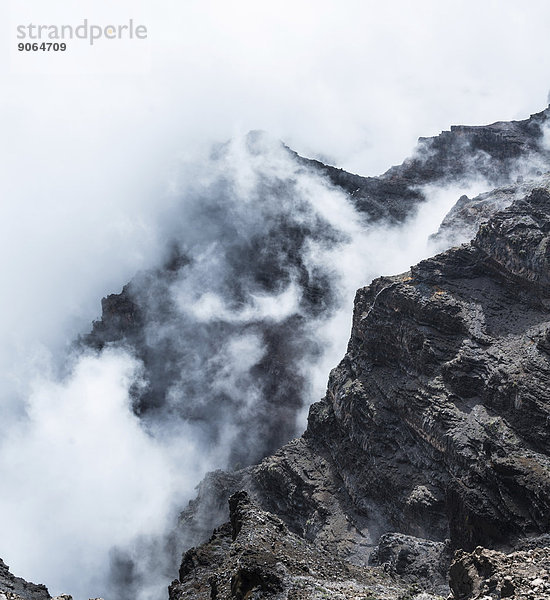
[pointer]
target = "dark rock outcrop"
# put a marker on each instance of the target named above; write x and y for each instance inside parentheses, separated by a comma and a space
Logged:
(463, 221)
(414, 559)
(15, 588)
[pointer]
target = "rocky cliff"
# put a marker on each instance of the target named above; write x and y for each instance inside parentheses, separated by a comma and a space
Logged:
(434, 429)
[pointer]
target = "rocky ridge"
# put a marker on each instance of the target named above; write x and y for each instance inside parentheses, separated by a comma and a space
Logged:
(499, 153)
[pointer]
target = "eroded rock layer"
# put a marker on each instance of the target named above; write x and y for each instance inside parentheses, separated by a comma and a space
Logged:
(435, 423)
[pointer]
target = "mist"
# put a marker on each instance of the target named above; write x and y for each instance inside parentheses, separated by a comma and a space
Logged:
(111, 160)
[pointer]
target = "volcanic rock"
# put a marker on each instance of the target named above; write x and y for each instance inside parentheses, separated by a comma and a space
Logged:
(434, 425)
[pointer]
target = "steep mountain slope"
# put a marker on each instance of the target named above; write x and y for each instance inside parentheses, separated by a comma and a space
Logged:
(435, 422)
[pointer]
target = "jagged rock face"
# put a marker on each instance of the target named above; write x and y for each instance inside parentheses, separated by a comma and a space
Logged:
(15, 588)
(444, 388)
(435, 422)
(517, 241)
(254, 555)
